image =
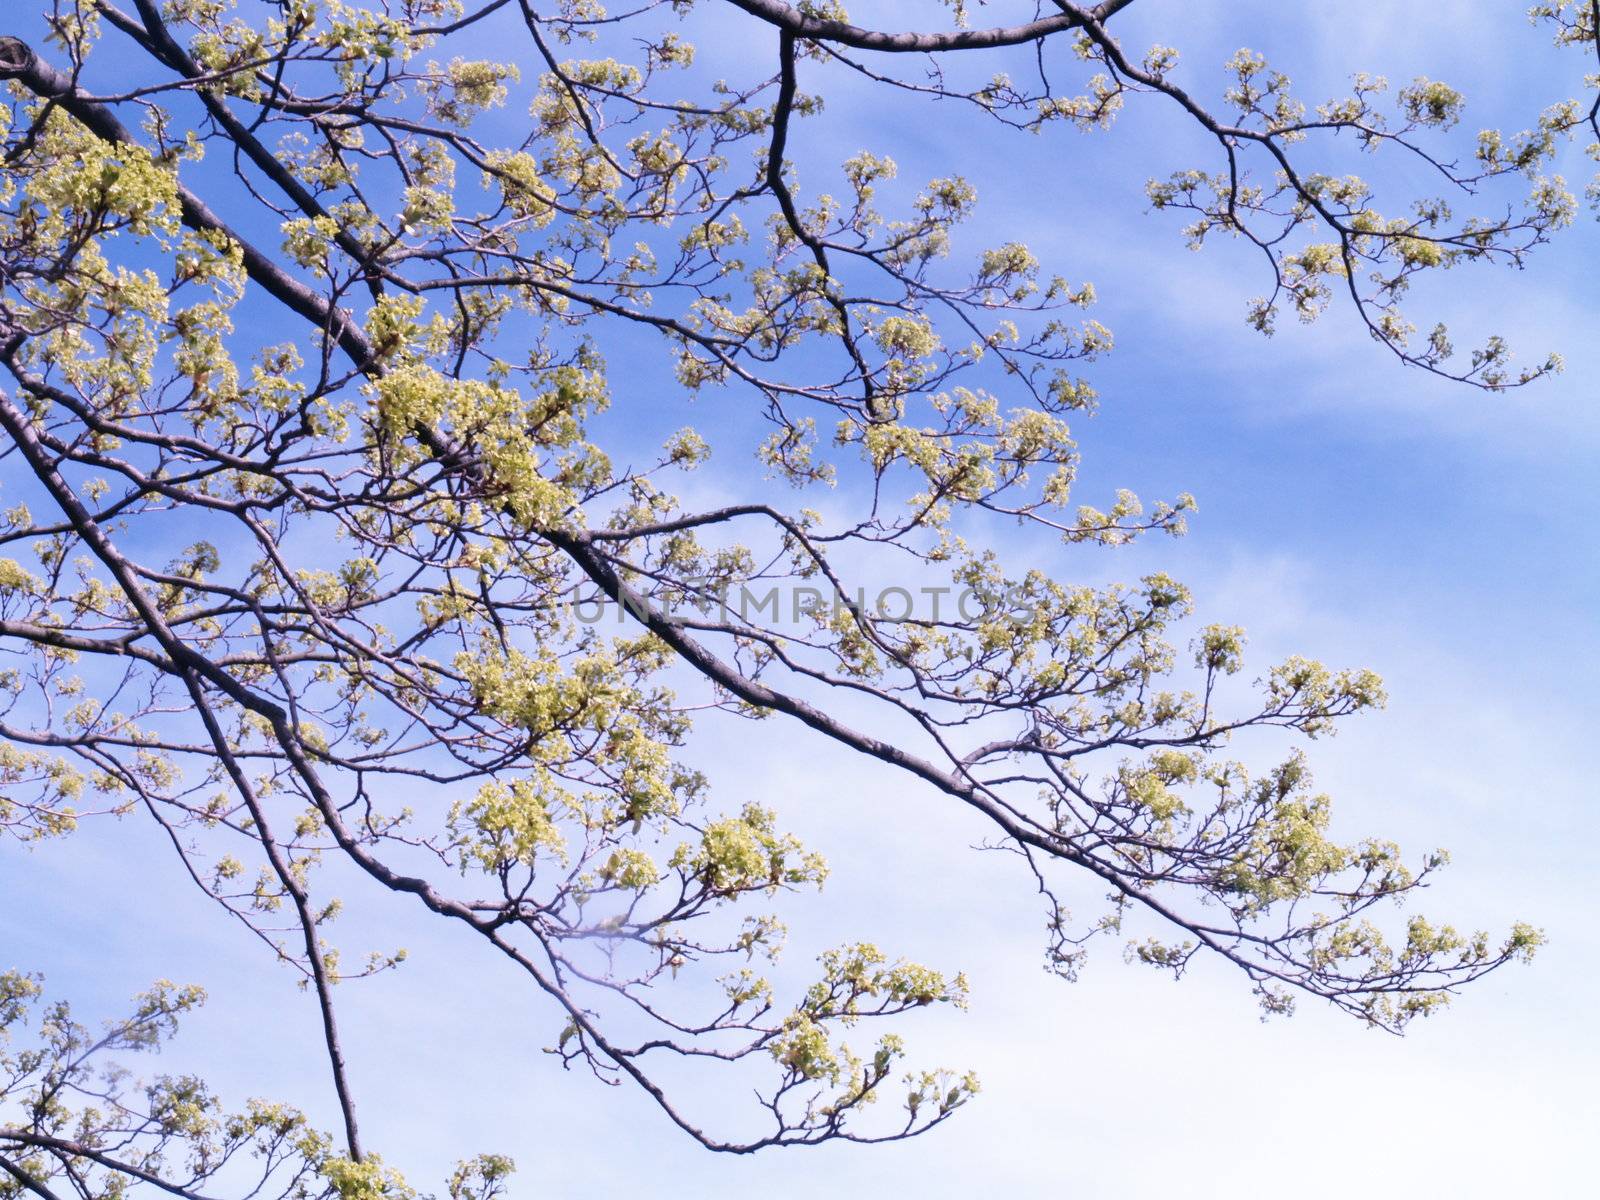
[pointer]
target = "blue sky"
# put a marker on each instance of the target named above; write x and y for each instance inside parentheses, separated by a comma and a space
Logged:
(1349, 509)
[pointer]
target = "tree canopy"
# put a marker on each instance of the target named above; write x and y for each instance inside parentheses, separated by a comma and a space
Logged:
(312, 315)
